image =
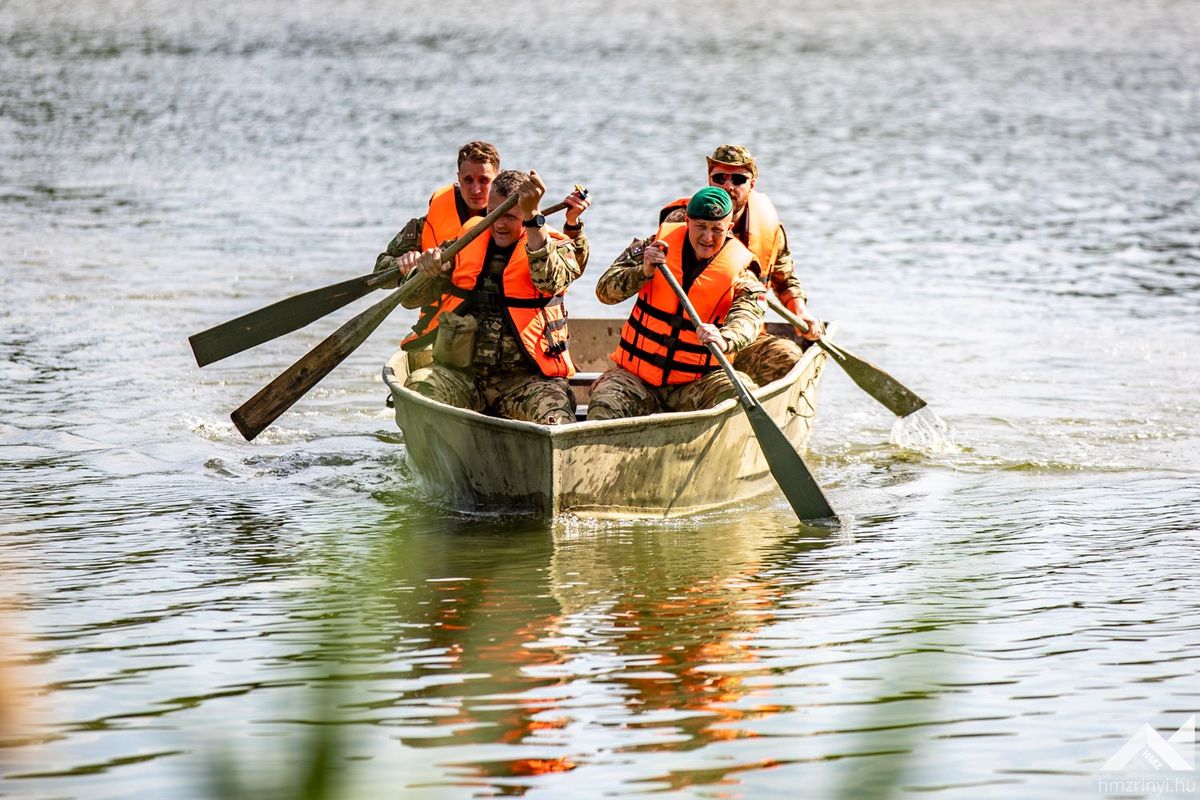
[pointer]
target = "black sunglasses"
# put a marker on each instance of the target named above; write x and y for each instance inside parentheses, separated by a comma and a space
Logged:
(736, 178)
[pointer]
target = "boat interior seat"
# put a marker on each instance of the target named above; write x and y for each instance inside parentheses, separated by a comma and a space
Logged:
(581, 383)
(584, 378)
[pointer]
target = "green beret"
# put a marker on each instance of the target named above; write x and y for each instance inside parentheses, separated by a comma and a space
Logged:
(711, 202)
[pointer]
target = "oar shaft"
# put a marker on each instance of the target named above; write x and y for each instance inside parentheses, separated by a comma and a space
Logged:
(744, 395)
(419, 281)
(386, 275)
(253, 416)
(785, 312)
(293, 313)
(891, 393)
(787, 467)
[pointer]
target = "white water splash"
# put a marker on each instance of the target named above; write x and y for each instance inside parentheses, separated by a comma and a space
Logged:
(923, 431)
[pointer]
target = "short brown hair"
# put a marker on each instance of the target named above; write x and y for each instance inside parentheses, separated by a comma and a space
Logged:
(508, 182)
(479, 152)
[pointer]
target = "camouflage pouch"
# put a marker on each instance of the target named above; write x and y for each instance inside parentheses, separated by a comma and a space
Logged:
(455, 342)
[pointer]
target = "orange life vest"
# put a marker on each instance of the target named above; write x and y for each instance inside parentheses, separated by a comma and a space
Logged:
(538, 319)
(659, 342)
(764, 237)
(441, 221)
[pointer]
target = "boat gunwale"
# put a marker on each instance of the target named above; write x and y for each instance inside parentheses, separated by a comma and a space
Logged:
(567, 429)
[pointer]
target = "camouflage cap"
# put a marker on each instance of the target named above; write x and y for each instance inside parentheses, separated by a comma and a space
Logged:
(733, 155)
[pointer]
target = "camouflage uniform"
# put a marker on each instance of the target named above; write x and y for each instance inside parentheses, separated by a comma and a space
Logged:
(619, 393)
(502, 380)
(409, 239)
(768, 358)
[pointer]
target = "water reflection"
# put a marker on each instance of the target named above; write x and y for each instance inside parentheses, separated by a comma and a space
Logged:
(541, 650)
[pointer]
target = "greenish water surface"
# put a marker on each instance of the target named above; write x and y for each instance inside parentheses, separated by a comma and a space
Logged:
(999, 205)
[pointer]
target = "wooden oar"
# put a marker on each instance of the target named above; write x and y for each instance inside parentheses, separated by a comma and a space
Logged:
(253, 416)
(789, 469)
(897, 397)
(293, 313)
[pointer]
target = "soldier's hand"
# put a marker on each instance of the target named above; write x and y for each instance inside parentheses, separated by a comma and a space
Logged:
(711, 334)
(815, 328)
(654, 254)
(577, 202)
(530, 193)
(383, 264)
(430, 262)
(407, 262)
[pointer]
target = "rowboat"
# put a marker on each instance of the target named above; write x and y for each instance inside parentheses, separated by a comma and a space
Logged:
(661, 465)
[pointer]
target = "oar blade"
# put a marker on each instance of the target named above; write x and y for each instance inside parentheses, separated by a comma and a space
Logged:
(273, 321)
(253, 416)
(789, 469)
(894, 395)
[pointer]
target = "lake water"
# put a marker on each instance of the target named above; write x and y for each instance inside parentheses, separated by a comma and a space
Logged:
(998, 202)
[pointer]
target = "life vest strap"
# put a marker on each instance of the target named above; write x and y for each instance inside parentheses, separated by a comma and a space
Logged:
(667, 365)
(664, 339)
(487, 298)
(677, 320)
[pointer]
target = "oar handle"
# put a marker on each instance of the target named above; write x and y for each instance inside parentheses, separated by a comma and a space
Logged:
(743, 393)
(557, 207)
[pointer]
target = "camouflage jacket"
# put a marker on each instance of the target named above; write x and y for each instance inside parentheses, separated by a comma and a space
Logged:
(552, 268)
(624, 278)
(407, 240)
(781, 276)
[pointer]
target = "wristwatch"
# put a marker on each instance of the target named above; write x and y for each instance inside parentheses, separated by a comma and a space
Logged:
(537, 221)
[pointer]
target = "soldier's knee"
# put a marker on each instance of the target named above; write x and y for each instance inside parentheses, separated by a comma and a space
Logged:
(746, 380)
(600, 412)
(438, 383)
(422, 382)
(725, 389)
(773, 360)
(419, 359)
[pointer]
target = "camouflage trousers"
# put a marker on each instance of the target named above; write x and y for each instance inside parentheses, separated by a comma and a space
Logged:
(419, 358)
(768, 358)
(515, 395)
(619, 393)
